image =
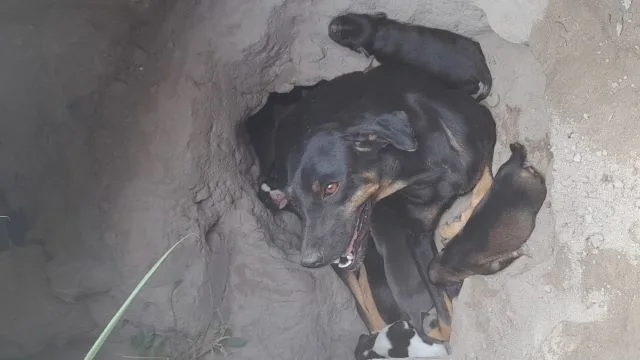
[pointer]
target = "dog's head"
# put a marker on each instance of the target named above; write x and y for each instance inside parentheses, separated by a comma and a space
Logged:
(334, 180)
(355, 31)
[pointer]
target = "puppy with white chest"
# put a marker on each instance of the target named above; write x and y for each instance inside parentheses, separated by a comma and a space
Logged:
(454, 58)
(500, 225)
(398, 340)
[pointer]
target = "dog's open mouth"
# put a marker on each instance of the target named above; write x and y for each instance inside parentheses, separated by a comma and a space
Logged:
(353, 255)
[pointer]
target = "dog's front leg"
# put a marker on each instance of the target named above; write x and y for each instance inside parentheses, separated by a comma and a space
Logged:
(423, 250)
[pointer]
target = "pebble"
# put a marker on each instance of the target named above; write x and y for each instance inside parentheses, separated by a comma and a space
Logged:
(596, 240)
(577, 158)
(548, 288)
(617, 184)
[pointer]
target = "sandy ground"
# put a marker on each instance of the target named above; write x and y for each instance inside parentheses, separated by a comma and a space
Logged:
(122, 121)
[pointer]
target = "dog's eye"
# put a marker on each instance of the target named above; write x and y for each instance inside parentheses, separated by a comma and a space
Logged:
(330, 189)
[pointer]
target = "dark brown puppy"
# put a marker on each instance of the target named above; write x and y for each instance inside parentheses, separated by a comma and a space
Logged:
(493, 237)
(453, 58)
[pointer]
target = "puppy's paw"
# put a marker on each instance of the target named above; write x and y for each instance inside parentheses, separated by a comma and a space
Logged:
(272, 198)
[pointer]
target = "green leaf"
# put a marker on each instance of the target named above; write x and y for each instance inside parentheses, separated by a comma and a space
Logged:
(235, 342)
(116, 318)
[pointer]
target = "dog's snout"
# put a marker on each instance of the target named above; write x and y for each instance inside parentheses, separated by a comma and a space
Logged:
(311, 259)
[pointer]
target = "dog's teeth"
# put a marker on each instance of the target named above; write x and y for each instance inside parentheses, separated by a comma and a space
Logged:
(345, 264)
(349, 257)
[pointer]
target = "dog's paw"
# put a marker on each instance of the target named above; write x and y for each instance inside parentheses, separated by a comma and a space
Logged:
(273, 199)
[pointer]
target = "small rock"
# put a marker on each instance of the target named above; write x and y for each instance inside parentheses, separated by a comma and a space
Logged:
(604, 152)
(588, 219)
(617, 184)
(577, 157)
(596, 240)
(548, 288)
(599, 153)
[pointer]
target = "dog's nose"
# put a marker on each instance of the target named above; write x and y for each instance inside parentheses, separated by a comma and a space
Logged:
(311, 260)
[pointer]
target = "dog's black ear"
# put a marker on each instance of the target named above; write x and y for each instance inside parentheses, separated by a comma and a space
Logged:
(375, 132)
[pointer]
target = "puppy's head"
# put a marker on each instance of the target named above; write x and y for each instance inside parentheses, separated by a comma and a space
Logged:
(355, 31)
(523, 181)
(398, 340)
(334, 180)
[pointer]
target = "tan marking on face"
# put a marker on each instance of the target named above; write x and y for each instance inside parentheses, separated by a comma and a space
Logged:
(360, 196)
(388, 187)
(481, 189)
(315, 187)
(369, 177)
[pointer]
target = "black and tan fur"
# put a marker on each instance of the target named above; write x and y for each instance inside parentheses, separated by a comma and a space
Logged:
(499, 226)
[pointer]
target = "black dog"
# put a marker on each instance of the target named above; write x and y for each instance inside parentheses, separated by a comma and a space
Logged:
(456, 59)
(398, 340)
(503, 221)
(393, 229)
(363, 136)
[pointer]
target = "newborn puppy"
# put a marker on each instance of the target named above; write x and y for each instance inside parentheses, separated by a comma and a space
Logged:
(455, 59)
(398, 340)
(391, 229)
(501, 223)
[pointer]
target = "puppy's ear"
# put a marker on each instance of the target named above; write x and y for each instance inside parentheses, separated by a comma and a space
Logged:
(375, 132)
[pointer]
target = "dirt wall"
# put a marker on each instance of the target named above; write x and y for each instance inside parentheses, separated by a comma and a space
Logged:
(122, 133)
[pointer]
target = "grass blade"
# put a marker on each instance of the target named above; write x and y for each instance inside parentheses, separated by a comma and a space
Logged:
(116, 318)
